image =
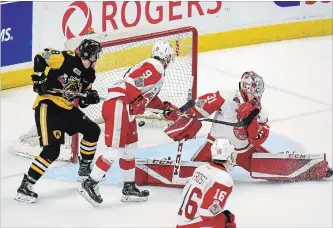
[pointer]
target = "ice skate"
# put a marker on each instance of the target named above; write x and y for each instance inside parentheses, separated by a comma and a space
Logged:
(131, 193)
(329, 173)
(90, 191)
(85, 170)
(25, 193)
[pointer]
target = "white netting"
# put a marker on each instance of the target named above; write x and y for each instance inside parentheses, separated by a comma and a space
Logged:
(122, 50)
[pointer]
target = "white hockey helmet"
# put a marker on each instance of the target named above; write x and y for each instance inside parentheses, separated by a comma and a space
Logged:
(163, 51)
(223, 150)
(251, 82)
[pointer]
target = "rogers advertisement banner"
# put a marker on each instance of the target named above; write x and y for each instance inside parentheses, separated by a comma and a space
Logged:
(54, 22)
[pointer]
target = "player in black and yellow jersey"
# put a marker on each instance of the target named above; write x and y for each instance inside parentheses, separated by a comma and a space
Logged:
(55, 114)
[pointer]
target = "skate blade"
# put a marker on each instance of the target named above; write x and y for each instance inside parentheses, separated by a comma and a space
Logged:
(83, 178)
(87, 197)
(126, 199)
(24, 198)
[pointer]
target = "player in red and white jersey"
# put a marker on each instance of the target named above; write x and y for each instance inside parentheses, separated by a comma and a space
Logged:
(244, 105)
(206, 193)
(126, 99)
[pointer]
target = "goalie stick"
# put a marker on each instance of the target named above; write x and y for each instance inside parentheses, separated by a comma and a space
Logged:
(176, 169)
(245, 122)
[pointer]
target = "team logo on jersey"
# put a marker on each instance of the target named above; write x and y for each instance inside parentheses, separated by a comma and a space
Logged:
(240, 133)
(73, 85)
(63, 79)
(77, 71)
(57, 134)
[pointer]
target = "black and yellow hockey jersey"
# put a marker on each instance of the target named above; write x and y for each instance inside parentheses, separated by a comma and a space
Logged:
(67, 72)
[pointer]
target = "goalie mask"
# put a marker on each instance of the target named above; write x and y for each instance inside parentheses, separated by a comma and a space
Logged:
(222, 150)
(163, 51)
(252, 83)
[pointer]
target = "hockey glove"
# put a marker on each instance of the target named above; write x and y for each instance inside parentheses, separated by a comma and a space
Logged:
(40, 83)
(230, 219)
(91, 98)
(171, 112)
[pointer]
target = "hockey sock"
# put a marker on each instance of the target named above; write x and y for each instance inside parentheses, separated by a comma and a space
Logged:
(37, 169)
(87, 150)
(102, 165)
(128, 169)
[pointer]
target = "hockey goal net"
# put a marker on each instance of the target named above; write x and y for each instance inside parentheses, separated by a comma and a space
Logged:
(122, 50)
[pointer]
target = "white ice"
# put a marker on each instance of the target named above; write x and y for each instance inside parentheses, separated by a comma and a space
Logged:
(298, 100)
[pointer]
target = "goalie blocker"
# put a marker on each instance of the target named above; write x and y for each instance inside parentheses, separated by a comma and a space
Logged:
(262, 165)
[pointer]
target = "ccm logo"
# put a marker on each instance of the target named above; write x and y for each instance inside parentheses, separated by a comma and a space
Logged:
(162, 162)
(177, 165)
(302, 156)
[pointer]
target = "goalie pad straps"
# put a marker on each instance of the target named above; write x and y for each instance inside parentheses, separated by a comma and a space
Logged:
(288, 167)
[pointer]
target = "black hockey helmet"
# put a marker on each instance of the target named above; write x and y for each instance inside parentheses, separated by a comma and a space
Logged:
(89, 48)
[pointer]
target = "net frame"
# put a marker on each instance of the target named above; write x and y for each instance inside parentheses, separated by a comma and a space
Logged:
(73, 146)
(137, 38)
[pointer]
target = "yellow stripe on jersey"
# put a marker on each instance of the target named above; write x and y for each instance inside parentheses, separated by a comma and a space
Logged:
(60, 101)
(43, 123)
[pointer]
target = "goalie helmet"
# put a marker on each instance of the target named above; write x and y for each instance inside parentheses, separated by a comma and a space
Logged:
(251, 82)
(163, 51)
(223, 150)
(89, 50)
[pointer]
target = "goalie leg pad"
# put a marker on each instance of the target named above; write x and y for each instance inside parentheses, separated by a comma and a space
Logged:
(157, 172)
(288, 167)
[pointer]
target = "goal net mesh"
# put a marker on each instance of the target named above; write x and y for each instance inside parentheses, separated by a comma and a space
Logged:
(122, 50)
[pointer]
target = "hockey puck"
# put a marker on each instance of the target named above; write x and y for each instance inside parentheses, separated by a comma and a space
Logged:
(141, 123)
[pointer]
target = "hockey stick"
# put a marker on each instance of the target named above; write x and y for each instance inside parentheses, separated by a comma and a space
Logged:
(69, 92)
(176, 168)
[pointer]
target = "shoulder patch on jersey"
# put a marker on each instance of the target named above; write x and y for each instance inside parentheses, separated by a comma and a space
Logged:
(215, 208)
(139, 82)
(201, 103)
(46, 55)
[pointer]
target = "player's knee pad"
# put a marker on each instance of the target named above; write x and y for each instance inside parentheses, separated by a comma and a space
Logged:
(92, 132)
(130, 151)
(113, 154)
(50, 152)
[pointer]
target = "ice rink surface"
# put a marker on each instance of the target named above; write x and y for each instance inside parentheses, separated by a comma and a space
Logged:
(297, 99)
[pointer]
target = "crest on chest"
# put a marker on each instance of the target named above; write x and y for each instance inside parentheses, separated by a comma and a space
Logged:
(73, 84)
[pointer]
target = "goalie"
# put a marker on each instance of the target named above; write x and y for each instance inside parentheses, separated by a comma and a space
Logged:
(244, 105)
(126, 99)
